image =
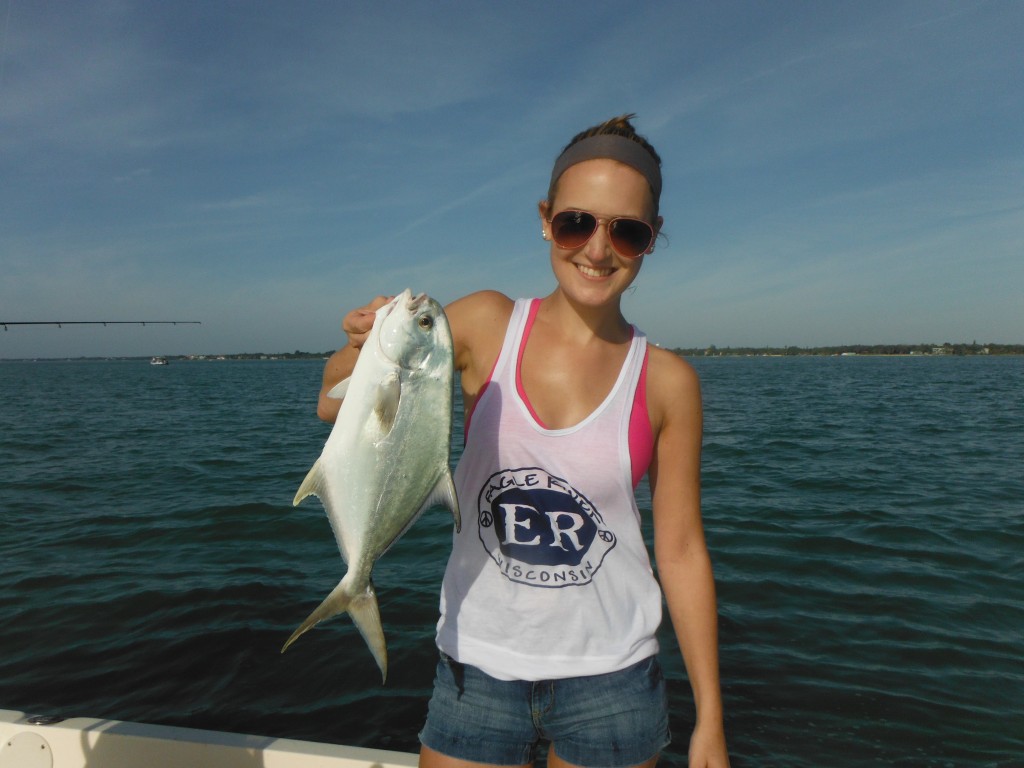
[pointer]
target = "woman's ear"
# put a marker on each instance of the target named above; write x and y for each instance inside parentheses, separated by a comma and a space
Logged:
(657, 231)
(544, 209)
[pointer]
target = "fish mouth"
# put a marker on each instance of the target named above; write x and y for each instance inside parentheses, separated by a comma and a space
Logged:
(390, 307)
(404, 305)
(406, 299)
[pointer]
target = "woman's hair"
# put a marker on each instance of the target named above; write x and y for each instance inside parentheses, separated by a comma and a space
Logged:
(617, 126)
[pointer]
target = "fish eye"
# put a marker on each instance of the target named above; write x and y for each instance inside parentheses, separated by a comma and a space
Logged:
(426, 322)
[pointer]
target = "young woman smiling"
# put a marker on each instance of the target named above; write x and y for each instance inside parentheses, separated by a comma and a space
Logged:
(549, 605)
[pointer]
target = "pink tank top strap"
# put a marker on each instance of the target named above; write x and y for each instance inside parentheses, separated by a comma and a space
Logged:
(534, 307)
(641, 435)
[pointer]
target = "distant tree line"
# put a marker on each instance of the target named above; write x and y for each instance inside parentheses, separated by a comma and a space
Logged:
(974, 348)
(298, 354)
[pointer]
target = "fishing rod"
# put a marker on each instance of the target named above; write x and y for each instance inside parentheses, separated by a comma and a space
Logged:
(62, 323)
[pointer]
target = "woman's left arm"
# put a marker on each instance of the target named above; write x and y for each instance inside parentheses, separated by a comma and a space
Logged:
(684, 566)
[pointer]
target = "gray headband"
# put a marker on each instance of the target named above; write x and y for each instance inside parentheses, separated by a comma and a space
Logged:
(611, 146)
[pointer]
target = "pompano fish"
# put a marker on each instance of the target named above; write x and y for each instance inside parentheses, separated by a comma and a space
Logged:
(386, 459)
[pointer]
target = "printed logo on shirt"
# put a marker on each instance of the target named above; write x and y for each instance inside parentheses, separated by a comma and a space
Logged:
(541, 531)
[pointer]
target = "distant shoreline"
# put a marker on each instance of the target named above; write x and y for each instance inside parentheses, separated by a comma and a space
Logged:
(174, 358)
(853, 350)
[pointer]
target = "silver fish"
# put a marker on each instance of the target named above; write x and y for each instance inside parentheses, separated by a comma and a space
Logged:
(386, 459)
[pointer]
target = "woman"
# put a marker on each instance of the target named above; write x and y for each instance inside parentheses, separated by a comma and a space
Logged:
(549, 607)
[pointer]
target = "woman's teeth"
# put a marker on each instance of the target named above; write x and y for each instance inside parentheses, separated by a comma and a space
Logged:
(591, 272)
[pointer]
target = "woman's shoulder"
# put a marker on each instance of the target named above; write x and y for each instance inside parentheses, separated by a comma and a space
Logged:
(480, 311)
(667, 365)
(478, 322)
(482, 302)
(673, 386)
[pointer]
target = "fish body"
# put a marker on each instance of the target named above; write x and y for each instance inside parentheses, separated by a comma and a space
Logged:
(386, 459)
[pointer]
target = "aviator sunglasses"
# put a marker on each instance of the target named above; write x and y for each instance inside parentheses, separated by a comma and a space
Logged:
(630, 238)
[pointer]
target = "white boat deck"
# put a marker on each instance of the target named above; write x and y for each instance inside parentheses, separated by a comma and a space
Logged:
(88, 743)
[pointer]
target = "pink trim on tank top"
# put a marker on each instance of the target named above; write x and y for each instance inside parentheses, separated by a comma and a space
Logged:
(641, 436)
(534, 307)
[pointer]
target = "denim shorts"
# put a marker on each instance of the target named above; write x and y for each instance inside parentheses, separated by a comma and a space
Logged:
(600, 721)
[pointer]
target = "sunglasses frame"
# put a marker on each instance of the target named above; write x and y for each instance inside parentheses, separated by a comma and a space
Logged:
(608, 222)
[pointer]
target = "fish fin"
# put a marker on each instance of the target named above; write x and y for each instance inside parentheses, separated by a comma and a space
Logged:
(389, 393)
(444, 495)
(312, 485)
(336, 602)
(365, 614)
(339, 390)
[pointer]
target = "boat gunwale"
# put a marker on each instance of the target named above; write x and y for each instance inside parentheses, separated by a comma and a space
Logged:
(82, 742)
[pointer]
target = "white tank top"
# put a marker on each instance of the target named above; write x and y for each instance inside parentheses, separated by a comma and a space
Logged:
(550, 576)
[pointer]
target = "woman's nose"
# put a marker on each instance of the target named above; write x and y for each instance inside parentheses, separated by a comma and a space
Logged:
(599, 247)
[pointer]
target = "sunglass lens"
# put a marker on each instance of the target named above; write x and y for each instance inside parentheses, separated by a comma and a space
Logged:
(630, 237)
(571, 229)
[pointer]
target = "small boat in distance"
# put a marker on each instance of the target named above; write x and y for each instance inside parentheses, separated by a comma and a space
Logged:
(158, 361)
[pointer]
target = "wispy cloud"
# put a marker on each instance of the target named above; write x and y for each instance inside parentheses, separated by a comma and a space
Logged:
(827, 166)
(241, 203)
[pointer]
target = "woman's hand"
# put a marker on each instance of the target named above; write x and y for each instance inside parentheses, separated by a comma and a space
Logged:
(358, 323)
(707, 747)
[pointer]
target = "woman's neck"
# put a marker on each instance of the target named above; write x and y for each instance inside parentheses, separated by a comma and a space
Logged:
(586, 323)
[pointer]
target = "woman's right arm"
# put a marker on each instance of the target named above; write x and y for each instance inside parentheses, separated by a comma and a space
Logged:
(357, 325)
(478, 324)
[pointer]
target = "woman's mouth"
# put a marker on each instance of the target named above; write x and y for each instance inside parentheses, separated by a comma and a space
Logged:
(593, 272)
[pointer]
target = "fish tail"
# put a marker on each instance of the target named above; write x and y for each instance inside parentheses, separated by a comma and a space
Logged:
(365, 614)
(335, 603)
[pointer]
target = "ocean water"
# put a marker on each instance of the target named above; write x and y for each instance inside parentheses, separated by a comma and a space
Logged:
(865, 517)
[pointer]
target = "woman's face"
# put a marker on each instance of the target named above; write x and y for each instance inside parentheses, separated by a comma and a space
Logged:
(594, 273)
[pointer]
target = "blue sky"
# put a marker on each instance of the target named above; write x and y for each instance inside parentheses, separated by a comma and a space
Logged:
(835, 173)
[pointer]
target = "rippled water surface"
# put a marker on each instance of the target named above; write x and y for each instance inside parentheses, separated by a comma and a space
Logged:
(865, 516)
